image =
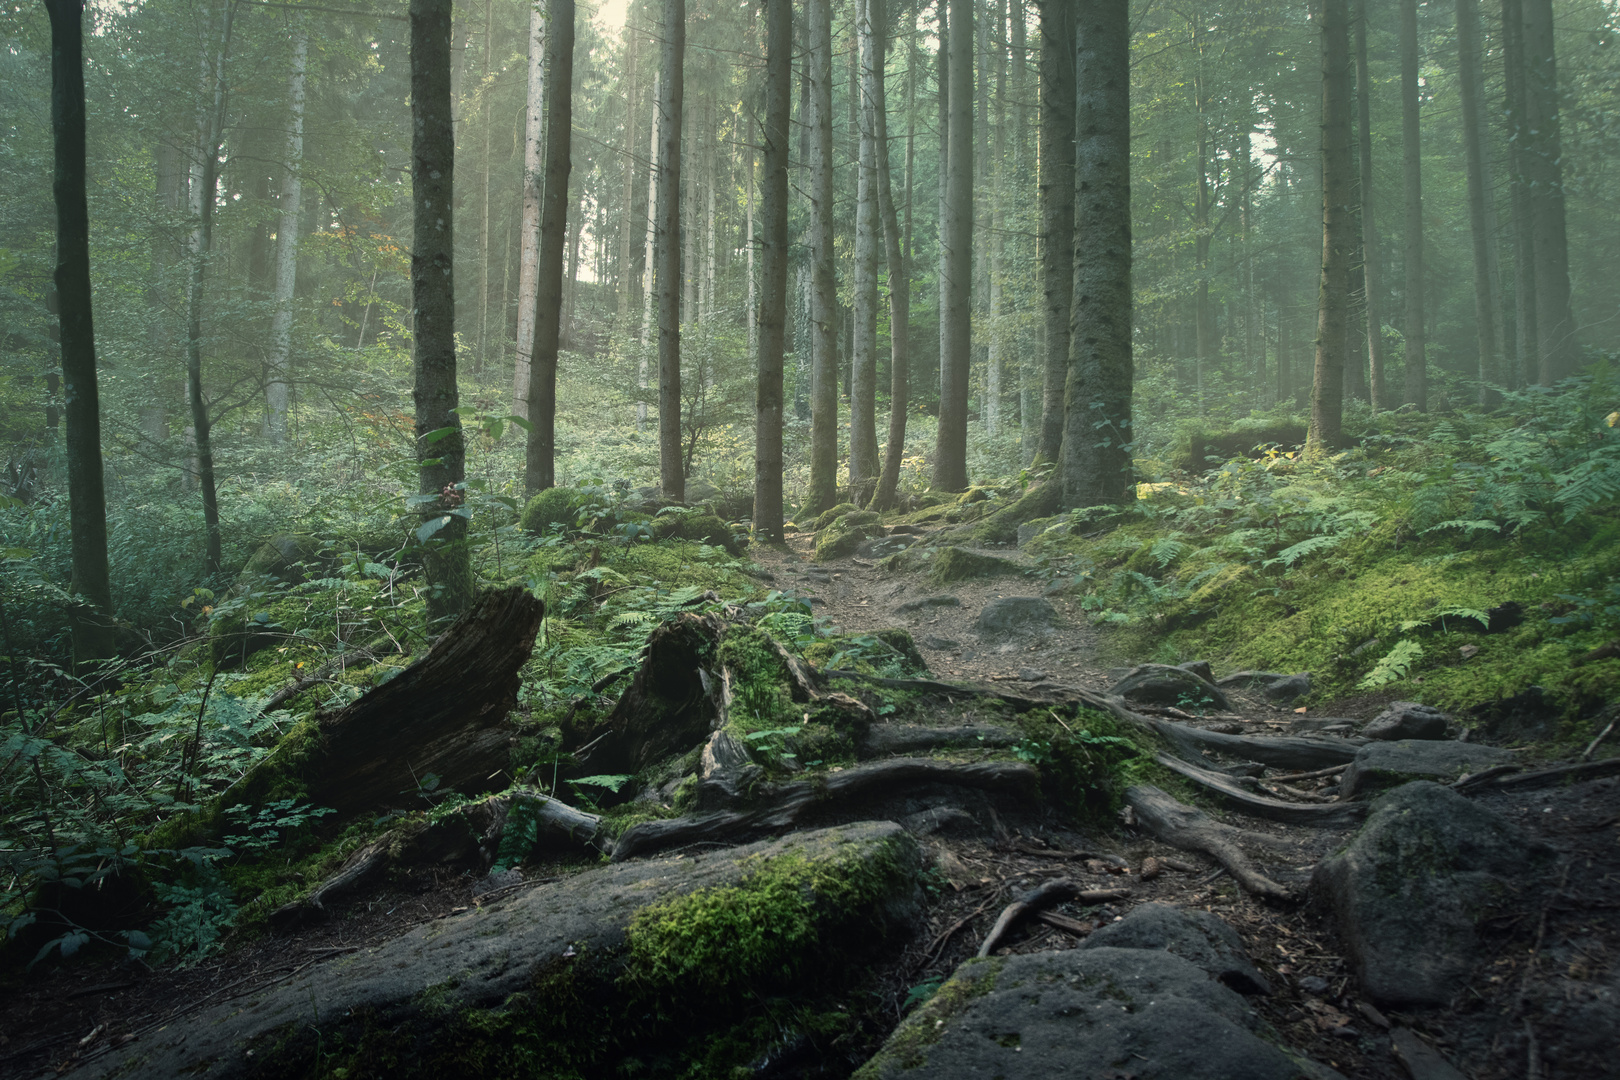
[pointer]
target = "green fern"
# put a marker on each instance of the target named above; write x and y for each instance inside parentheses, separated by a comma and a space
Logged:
(1394, 666)
(1288, 556)
(622, 619)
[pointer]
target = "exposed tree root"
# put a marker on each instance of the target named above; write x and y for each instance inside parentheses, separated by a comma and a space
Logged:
(1508, 778)
(1183, 827)
(1328, 814)
(1288, 752)
(782, 806)
(1032, 902)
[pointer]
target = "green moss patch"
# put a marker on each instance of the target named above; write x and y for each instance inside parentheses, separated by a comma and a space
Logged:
(959, 564)
(846, 533)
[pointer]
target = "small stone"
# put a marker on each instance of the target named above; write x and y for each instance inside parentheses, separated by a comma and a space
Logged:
(1314, 984)
(940, 643)
(1407, 720)
(1031, 674)
(1288, 687)
(928, 602)
(1199, 668)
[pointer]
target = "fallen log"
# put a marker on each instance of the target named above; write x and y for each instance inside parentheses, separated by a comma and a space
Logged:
(781, 806)
(1508, 778)
(1329, 814)
(1183, 827)
(1036, 900)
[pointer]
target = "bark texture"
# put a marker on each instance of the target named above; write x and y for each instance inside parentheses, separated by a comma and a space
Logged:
(1417, 382)
(1557, 353)
(1487, 298)
(1372, 267)
(1338, 233)
(533, 182)
(671, 90)
(899, 269)
(823, 281)
(292, 201)
(863, 450)
(956, 298)
(1057, 212)
(540, 452)
(773, 259)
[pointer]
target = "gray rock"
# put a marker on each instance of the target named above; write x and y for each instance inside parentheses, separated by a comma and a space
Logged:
(1087, 1014)
(928, 602)
(1338, 724)
(883, 546)
(1017, 615)
(1030, 674)
(1245, 680)
(930, 642)
(490, 882)
(1198, 937)
(1288, 688)
(1382, 765)
(1199, 668)
(951, 820)
(1411, 888)
(1407, 720)
(448, 989)
(1170, 685)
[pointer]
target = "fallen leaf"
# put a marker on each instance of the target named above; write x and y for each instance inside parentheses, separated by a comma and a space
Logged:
(1301, 709)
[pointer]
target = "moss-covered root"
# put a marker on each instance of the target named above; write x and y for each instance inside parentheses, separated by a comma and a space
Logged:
(1001, 527)
(959, 564)
(641, 968)
(846, 533)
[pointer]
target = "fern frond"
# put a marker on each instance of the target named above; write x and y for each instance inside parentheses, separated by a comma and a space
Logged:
(1288, 556)
(1394, 666)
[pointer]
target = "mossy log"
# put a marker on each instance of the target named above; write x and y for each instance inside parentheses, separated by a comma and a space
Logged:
(442, 715)
(783, 806)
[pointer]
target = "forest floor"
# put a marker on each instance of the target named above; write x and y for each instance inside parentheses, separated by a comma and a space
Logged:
(1543, 1006)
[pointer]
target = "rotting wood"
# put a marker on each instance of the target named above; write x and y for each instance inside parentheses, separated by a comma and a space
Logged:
(1332, 814)
(1044, 896)
(781, 806)
(1183, 827)
(1058, 921)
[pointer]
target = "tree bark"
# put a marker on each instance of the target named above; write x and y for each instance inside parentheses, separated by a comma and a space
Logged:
(626, 233)
(1524, 231)
(533, 183)
(899, 278)
(1204, 347)
(863, 451)
(1417, 382)
(1338, 233)
(1057, 212)
(823, 491)
(1487, 304)
(201, 245)
(995, 368)
(773, 256)
(956, 312)
(87, 501)
(1372, 268)
(1557, 352)
(539, 458)
(292, 197)
(672, 477)
(1097, 433)
(441, 454)
(649, 257)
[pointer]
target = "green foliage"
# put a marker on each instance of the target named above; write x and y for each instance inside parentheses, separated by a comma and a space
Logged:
(553, 508)
(1393, 666)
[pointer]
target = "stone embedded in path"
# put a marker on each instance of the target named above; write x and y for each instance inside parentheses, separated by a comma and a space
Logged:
(1288, 688)
(1385, 764)
(1411, 889)
(544, 974)
(1198, 937)
(882, 547)
(1407, 720)
(1168, 685)
(928, 602)
(1017, 615)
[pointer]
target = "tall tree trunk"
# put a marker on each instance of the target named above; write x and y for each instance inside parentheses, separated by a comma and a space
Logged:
(626, 233)
(1372, 273)
(950, 455)
(863, 451)
(1057, 211)
(441, 454)
(1203, 317)
(533, 185)
(292, 196)
(201, 245)
(773, 240)
(899, 275)
(1417, 380)
(1338, 232)
(1097, 435)
(995, 332)
(1557, 352)
(539, 470)
(823, 491)
(481, 357)
(170, 187)
(672, 80)
(942, 218)
(1487, 305)
(649, 255)
(87, 501)
(1524, 230)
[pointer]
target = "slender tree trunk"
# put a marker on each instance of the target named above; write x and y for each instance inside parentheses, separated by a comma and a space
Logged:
(950, 455)
(1057, 212)
(824, 287)
(533, 184)
(441, 454)
(1557, 353)
(995, 332)
(672, 476)
(87, 503)
(863, 450)
(899, 277)
(292, 195)
(1417, 381)
(1372, 274)
(539, 470)
(626, 233)
(712, 151)
(1338, 232)
(773, 241)
(942, 185)
(201, 245)
(649, 255)
(1203, 317)
(1096, 460)
(1486, 302)
(1524, 230)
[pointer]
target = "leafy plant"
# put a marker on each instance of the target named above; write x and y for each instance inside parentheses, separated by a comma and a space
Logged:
(1393, 666)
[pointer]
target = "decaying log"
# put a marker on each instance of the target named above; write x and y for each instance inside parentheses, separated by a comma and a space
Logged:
(1183, 827)
(1053, 892)
(781, 806)
(1328, 814)
(674, 701)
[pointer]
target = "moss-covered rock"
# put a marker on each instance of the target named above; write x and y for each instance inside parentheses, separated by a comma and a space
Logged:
(845, 534)
(289, 558)
(959, 564)
(552, 507)
(1001, 527)
(832, 514)
(700, 526)
(1249, 439)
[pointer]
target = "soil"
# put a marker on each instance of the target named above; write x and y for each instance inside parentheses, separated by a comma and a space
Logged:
(1546, 1004)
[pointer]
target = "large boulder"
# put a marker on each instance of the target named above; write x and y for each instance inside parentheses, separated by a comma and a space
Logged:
(1380, 765)
(1169, 685)
(1198, 937)
(1087, 1014)
(1407, 720)
(1411, 889)
(593, 975)
(846, 534)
